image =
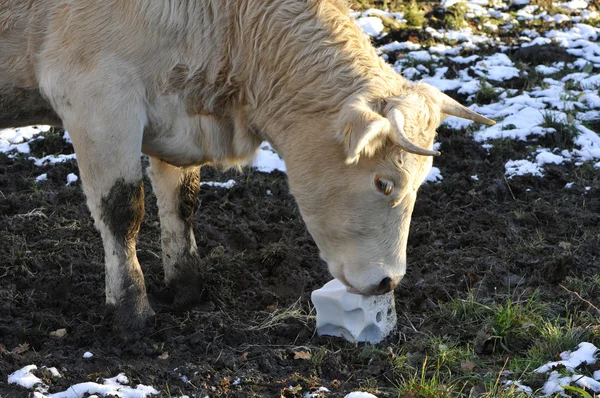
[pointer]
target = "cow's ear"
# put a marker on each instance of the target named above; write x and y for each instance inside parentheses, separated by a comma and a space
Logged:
(362, 131)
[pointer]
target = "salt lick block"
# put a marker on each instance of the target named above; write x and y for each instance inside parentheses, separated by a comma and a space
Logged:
(355, 317)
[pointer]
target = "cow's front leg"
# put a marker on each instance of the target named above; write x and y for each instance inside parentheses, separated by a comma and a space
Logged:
(115, 197)
(176, 189)
(108, 149)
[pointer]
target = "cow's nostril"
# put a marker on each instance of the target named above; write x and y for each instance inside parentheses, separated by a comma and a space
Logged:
(386, 285)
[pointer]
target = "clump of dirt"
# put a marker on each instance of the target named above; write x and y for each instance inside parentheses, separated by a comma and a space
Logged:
(542, 55)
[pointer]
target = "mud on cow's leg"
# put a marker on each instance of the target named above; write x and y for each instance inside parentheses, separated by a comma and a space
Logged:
(176, 190)
(116, 202)
(121, 213)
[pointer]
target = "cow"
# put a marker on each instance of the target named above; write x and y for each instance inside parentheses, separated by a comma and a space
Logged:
(196, 82)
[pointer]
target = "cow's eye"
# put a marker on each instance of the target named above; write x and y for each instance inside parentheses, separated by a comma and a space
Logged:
(385, 186)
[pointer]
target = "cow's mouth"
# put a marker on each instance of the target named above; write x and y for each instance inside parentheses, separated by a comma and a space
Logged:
(342, 278)
(353, 290)
(349, 287)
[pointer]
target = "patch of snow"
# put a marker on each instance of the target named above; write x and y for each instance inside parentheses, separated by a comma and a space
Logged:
(360, 394)
(71, 178)
(520, 387)
(591, 82)
(316, 393)
(87, 354)
(421, 55)
(575, 5)
(527, 12)
(530, 33)
(457, 123)
(41, 177)
(592, 100)
(434, 175)
(538, 41)
(22, 134)
(464, 60)
(227, 185)
(450, 3)
(24, 378)
(22, 148)
(554, 383)
(571, 360)
(589, 142)
(469, 88)
(443, 84)
(490, 26)
(522, 167)
(53, 159)
(497, 67)
(560, 18)
(547, 70)
(373, 26)
(410, 73)
(545, 157)
(267, 160)
(53, 371)
(113, 386)
(395, 46)
(519, 125)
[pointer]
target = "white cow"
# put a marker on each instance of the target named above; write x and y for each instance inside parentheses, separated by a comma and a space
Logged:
(194, 82)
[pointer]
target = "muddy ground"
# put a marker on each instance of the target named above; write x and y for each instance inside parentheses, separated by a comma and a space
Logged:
(493, 236)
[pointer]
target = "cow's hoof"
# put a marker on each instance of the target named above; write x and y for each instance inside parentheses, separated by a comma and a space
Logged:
(132, 313)
(133, 318)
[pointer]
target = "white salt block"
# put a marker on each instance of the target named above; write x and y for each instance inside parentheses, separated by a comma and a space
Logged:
(355, 317)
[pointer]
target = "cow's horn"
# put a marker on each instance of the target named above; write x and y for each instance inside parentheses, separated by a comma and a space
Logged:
(397, 119)
(451, 107)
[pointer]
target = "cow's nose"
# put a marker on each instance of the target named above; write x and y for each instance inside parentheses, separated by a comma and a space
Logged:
(385, 286)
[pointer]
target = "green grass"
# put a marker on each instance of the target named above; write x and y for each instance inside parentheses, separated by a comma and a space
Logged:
(426, 382)
(564, 131)
(464, 311)
(454, 17)
(555, 337)
(487, 94)
(522, 329)
(392, 5)
(514, 323)
(414, 15)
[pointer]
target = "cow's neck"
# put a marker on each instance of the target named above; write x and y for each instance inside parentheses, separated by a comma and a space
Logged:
(299, 63)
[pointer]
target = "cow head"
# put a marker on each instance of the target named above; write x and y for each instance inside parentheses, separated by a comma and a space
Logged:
(356, 191)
